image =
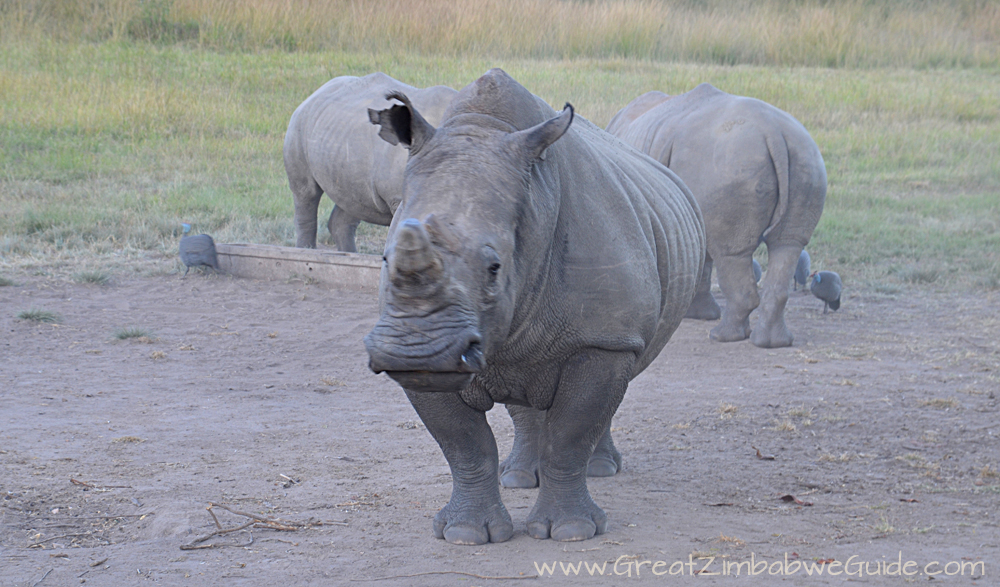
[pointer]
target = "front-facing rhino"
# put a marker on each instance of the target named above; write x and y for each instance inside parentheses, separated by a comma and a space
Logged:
(534, 264)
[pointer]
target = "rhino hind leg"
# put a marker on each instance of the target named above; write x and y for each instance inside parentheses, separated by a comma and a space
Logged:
(307, 195)
(737, 284)
(343, 226)
(520, 468)
(591, 386)
(704, 306)
(606, 460)
(770, 330)
(475, 513)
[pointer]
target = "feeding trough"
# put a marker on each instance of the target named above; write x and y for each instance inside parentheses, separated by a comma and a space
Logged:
(342, 270)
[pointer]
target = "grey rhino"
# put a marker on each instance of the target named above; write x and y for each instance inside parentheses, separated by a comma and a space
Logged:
(534, 264)
(758, 176)
(331, 147)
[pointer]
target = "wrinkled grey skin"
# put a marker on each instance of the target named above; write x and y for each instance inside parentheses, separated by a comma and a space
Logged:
(758, 176)
(535, 261)
(331, 147)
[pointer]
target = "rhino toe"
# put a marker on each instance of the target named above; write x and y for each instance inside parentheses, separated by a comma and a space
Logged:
(474, 526)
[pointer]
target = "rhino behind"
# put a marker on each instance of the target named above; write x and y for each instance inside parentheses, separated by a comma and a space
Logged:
(536, 263)
(758, 177)
(331, 147)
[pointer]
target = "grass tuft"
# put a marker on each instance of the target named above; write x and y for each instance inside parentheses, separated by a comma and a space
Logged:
(133, 332)
(727, 411)
(93, 277)
(5, 282)
(42, 316)
(942, 403)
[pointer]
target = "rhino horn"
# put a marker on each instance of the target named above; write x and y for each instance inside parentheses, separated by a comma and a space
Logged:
(415, 262)
(402, 124)
(536, 139)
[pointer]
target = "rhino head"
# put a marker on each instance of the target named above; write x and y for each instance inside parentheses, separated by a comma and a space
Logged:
(463, 245)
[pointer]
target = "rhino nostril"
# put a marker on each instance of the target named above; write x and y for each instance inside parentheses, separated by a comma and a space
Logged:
(472, 358)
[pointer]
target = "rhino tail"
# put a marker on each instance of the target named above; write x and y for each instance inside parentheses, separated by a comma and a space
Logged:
(778, 148)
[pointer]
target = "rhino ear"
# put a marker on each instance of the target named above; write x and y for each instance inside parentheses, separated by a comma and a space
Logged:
(536, 139)
(402, 124)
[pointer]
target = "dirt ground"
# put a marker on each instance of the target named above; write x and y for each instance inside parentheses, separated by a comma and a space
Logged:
(881, 421)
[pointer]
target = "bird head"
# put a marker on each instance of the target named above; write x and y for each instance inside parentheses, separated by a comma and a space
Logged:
(187, 228)
(816, 276)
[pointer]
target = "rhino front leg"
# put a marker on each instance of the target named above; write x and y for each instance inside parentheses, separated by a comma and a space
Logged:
(475, 514)
(737, 283)
(771, 331)
(704, 306)
(343, 226)
(591, 386)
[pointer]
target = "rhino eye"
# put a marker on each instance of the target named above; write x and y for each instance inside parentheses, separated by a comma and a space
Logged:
(494, 268)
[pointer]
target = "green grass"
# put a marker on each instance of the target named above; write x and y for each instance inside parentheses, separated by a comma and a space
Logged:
(5, 282)
(111, 138)
(130, 332)
(42, 316)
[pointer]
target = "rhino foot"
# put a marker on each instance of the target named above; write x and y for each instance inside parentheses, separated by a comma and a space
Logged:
(703, 307)
(771, 336)
(519, 478)
(728, 333)
(473, 525)
(565, 522)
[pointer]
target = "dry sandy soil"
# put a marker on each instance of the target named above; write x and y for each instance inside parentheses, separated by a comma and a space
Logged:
(881, 421)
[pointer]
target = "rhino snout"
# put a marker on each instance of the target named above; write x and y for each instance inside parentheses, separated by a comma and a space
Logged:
(460, 353)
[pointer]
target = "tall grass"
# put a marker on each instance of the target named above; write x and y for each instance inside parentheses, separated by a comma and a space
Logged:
(846, 33)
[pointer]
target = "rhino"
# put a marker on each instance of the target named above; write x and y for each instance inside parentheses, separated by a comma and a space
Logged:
(758, 177)
(538, 262)
(331, 147)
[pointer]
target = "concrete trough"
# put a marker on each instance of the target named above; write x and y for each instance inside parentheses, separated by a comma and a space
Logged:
(341, 270)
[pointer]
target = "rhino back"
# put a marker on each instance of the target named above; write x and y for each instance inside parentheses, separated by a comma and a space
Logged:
(331, 139)
(730, 151)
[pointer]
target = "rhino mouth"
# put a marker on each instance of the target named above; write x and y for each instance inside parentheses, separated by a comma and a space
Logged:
(433, 382)
(446, 365)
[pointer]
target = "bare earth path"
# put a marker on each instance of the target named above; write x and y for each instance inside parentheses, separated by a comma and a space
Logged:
(882, 420)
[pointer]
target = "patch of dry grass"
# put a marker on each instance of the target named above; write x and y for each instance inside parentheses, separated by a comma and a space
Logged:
(832, 458)
(785, 425)
(727, 411)
(848, 33)
(940, 403)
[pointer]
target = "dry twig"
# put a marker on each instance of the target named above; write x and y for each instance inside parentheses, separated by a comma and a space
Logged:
(255, 522)
(40, 542)
(92, 486)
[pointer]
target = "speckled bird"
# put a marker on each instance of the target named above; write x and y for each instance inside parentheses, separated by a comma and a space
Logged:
(197, 250)
(826, 286)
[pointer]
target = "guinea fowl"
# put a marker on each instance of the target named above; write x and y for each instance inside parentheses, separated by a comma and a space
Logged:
(801, 271)
(197, 251)
(826, 286)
